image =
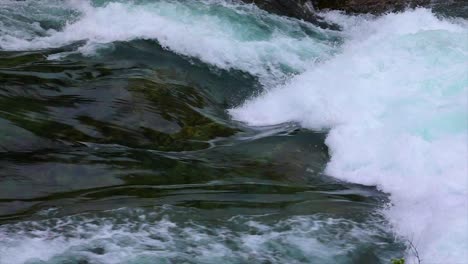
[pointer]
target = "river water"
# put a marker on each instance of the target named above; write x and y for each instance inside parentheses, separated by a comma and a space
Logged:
(214, 132)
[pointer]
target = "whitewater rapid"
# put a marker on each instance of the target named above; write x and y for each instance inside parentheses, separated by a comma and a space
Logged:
(395, 104)
(393, 96)
(140, 236)
(222, 34)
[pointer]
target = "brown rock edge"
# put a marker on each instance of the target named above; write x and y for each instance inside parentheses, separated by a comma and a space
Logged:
(305, 9)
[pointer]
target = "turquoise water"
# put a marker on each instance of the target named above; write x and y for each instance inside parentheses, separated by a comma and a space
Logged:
(211, 131)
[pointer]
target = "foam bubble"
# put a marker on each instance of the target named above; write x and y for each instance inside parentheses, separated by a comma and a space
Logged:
(228, 36)
(395, 103)
(183, 235)
(394, 99)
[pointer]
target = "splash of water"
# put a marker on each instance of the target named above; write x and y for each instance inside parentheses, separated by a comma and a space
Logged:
(181, 235)
(394, 99)
(395, 104)
(226, 35)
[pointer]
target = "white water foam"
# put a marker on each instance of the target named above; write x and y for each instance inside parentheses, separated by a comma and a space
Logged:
(394, 100)
(180, 235)
(395, 104)
(228, 36)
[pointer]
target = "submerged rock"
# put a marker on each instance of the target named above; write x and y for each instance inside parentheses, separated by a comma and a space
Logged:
(58, 104)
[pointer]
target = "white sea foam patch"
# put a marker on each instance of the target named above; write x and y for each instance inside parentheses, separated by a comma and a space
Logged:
(228, 36)
(395, 104)
(182, 235)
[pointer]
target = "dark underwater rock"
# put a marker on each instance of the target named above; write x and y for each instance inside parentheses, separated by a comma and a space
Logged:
(59, 104)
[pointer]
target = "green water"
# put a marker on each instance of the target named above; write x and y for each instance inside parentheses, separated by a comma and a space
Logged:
(144, 131)
(129, 156)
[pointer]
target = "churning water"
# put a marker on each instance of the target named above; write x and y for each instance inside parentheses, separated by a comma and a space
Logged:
(337, 146)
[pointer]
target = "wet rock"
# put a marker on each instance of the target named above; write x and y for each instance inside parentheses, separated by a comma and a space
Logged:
(369, 6)
(305, 9)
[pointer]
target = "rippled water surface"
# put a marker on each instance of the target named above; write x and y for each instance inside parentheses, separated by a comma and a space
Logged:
(125, 136)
